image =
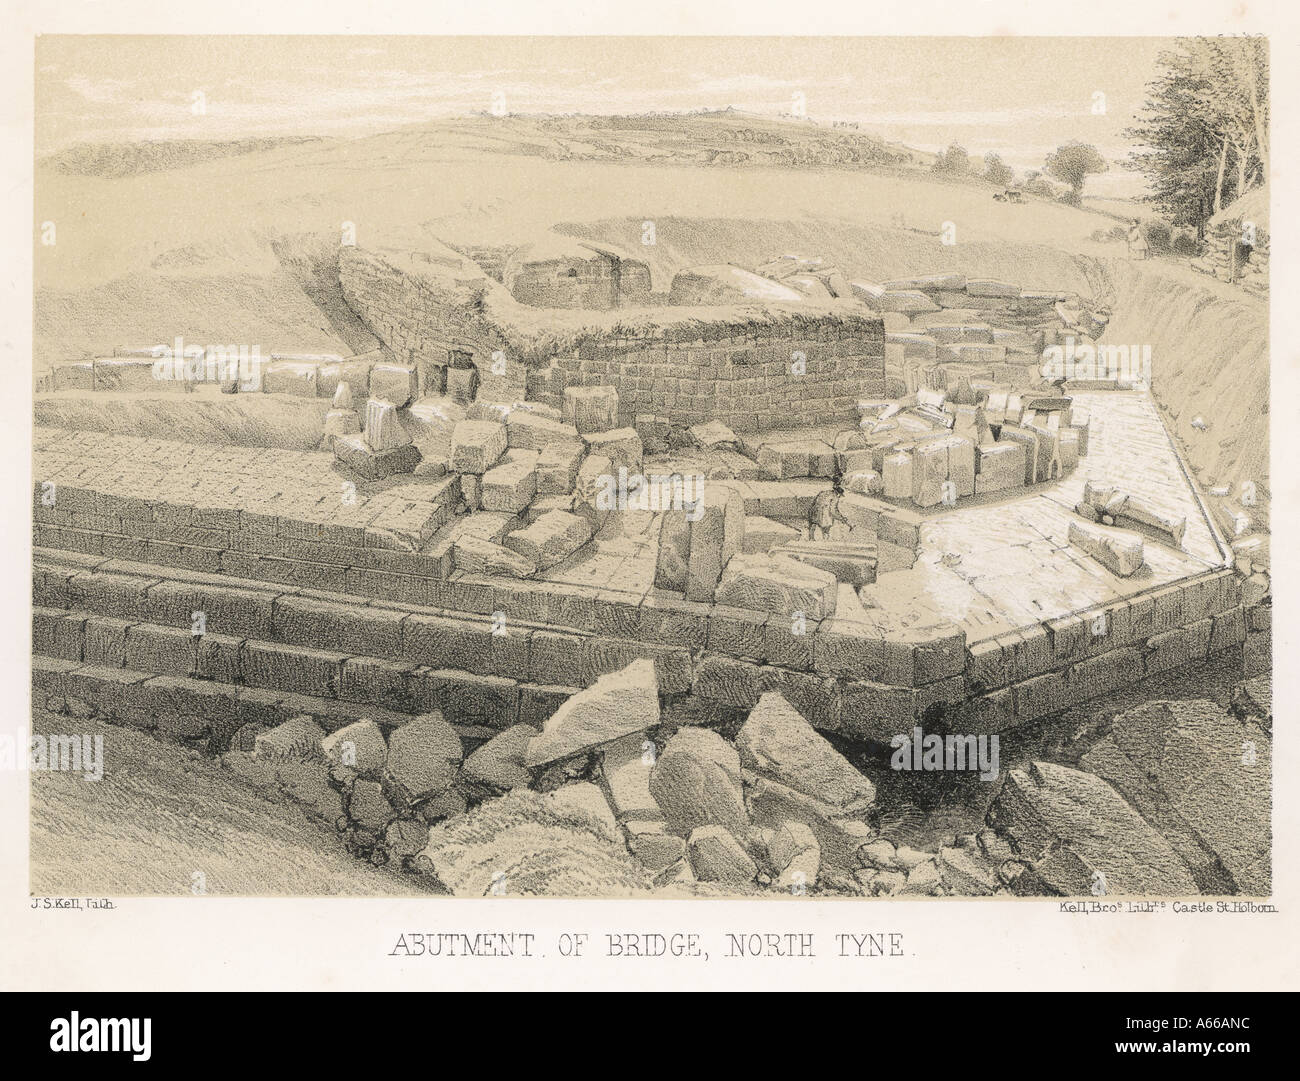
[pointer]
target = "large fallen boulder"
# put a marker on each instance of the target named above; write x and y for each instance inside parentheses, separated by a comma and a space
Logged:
(424, 757)
(1203, 780)
(795, 856)
(716, 856)
(777, 743)
(625, 773)
(525, 844)
(359, 746)
(616, 705)
(591, 409)
(696, 781)
(498, 765)
(1082, 838)
(841, 837)
(297, 737)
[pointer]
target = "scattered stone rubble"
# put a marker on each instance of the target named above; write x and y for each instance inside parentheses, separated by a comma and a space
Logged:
(617, 793)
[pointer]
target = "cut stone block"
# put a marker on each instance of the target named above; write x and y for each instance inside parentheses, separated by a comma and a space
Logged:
(616, 705)
(477, 555)
(903, 300)
(1001, 466)
(928, 282)
(920, 346)
(622, 446)
(864, 481)
(674, 551)
(853, 562)
(763, 534)
(961, 465)
(383, 429)
(545, 504)
(778, 584)
(535, 431)
(591, 409)
(553, 537)
(1030, 440)
(342, 422)
(715, 536)
(557, 468)
(654, 431)
(798, 458)
(989, 287)
(713, 434)
(294, 377)
(1117, 551)
(353, 452)
(396, 383)
(476, 445)
(510, 486)
(896, 475)
(1069, 444)
(462, 384)
(971, 422)
(929, 472)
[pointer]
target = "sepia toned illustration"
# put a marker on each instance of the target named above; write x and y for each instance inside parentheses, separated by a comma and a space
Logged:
(820, 468)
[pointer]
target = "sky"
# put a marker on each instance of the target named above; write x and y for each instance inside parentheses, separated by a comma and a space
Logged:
(1018, 96)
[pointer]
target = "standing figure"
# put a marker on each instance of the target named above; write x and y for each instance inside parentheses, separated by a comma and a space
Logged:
(823, 514)
(1137, 243)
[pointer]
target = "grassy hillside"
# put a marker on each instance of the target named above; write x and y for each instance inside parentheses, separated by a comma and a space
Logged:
(242, 248)
(239, 248)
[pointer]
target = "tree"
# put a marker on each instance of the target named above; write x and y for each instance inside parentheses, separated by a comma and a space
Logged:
(1074, 163)
(954, 161)
(1207, 107)
(996, 172)
(1037, 184)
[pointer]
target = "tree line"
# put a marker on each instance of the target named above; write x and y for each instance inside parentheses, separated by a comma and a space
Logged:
(1204, 127)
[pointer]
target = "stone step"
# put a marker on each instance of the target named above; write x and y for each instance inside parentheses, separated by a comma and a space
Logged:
(393, 689)
(498, 642)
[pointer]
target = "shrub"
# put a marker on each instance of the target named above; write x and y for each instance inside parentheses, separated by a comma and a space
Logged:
(1158, 235)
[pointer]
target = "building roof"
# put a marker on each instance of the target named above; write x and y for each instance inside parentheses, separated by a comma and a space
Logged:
(1253, 206)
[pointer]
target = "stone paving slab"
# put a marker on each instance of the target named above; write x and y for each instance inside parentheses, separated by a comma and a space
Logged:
(257, 484)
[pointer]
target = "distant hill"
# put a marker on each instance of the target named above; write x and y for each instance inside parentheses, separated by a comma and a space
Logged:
(113, 160)
(722, 137)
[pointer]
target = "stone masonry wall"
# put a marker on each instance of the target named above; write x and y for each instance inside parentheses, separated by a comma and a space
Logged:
(749, 382)
(771, 375)
(418, 326)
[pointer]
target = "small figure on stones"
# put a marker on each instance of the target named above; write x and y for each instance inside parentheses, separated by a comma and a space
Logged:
(824, 513)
